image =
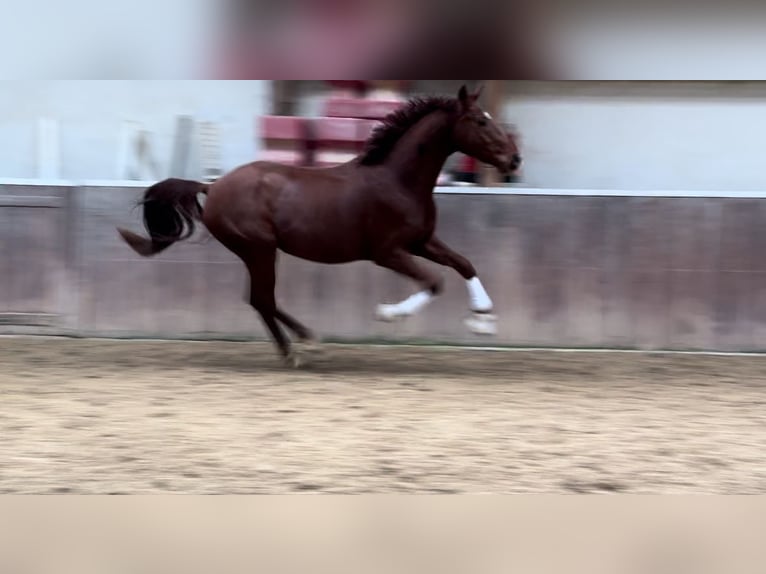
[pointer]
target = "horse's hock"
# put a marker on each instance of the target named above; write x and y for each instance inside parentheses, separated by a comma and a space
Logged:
(628, 272)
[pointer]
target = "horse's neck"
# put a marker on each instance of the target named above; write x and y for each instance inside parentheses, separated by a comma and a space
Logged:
(420, 155)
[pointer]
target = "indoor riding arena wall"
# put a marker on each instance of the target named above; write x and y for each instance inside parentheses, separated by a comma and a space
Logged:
(568, 269)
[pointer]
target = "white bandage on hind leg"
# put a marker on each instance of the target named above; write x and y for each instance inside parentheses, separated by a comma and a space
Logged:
(480, 300)
(408, 307)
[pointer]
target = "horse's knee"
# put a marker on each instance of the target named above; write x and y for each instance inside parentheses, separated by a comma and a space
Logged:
(465, 268)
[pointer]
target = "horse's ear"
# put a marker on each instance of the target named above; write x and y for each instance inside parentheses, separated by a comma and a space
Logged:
(478, 92)
(463, 96)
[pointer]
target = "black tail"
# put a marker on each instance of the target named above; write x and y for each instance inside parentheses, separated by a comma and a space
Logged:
(171, 209)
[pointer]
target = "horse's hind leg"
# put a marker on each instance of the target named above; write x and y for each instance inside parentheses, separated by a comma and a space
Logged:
(262, 268)
(310, 343)
(304, 333)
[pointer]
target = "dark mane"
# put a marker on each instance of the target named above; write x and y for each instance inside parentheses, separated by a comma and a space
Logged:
(396, 124)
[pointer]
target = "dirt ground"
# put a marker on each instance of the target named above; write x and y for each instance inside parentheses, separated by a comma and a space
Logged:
(171, 417)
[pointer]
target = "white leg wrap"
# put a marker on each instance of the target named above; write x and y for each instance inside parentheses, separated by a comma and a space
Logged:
(406, 308)
(481, 322)
(480, 301)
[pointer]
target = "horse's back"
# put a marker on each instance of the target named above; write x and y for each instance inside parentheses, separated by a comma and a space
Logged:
(313, 213)
(264, 175)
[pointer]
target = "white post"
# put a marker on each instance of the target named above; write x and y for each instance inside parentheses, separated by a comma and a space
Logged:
(210, 150)
(126, 164)
(182, 143)
(136, 160)
(147, 164)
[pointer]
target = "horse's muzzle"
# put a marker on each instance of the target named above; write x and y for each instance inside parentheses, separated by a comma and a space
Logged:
(510, 165)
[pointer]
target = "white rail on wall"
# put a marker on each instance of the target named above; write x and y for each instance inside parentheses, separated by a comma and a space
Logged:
(513, 190)
(458, 190)
(72, 183)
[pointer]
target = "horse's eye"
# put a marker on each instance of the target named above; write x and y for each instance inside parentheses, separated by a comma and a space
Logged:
(482, 122)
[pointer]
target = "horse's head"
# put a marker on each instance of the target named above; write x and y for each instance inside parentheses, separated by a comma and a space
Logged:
(477, 134)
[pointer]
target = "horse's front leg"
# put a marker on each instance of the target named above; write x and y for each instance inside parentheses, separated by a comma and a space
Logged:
(405, 264)
(482, 321)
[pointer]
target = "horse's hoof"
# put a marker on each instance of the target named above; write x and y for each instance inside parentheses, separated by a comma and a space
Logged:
(482, 324)
(387, 313)
(293, 361)
(312, 347)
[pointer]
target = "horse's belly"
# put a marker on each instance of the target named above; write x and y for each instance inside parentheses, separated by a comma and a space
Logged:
(322, 248)
(324, 227)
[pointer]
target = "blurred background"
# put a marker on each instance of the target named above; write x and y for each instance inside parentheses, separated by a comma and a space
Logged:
(313, 39)
(629, 135)
(636, 220)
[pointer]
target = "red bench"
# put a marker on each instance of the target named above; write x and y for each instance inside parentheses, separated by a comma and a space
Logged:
(335, 138)
(359, 109)
(286, 139)
(313, 141)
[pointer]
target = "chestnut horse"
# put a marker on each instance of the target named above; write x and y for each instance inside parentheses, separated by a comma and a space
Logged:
(379, 207)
